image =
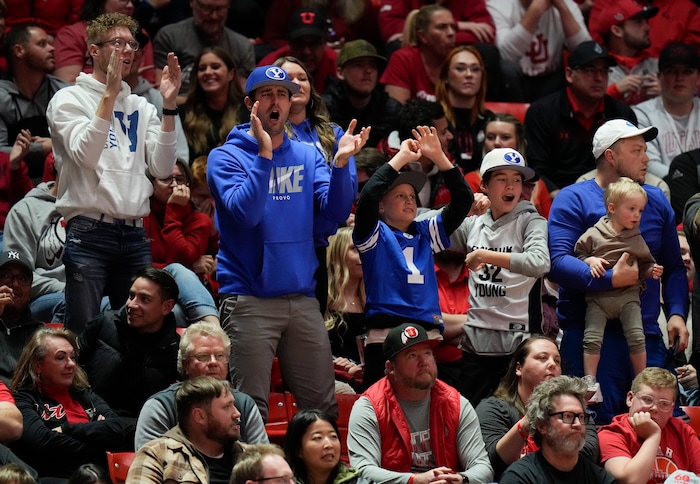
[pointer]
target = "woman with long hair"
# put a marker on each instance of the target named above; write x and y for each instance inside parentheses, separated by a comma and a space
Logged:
(309, 123)
(504, 426)
(65, 423)
(313, 450)
(213, 103)
(461, 90)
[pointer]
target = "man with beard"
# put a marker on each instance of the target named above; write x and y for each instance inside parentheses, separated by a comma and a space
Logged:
(25, 96)
(557, 416)
(647, 442)
(620, 150)
(203, 447)
(410, 426)
(624, 28)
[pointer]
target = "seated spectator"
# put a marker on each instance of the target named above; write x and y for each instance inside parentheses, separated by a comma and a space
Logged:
(50, 15)
(676, 112)
(262, 462)
(345, 316)
(214, 101)
(65, 423)
(179, 236)
(558, 418)
(308, 34)
(139, 85)
(559, 127)
(312, 446)
(14, 179)
(624, 29)
(461, 90)
(504, 423)
(414, 68)
(131, 353)
(188, 37)
(90, 474)
(683, 180)
(10, 430)
(531, 37)
(204, 445)
(691, 227)
(347, 21)
(411, 426)
(72, 54)
(356, 93)
(204, 350)
(648, 443)
(15, 316)
(677, 21)
(25, 96)
(203, 201)
(309, 122)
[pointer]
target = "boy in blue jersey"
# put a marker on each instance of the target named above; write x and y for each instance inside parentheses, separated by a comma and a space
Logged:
(267, 189)
(397, 251)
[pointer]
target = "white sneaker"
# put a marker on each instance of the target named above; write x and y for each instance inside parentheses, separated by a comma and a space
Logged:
(593, 394)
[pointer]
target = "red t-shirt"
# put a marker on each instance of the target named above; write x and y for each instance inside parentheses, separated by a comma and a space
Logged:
(74, 412)
(406, 69)
(5, 395)
(679, 447)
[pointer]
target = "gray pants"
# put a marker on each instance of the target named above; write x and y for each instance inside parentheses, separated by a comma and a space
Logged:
(290, 327)
(626, 308)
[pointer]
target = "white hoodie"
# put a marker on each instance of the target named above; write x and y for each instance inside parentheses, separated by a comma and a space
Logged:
(103, 163)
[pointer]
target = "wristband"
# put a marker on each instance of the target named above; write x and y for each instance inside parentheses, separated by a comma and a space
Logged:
(522, 432)
(411, 479)
(170, 112)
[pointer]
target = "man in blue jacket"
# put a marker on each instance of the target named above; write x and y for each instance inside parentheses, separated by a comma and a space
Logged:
(619, 148)
(267, 189)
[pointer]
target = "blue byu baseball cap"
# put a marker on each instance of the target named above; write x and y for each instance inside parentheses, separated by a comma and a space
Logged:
(269, 76)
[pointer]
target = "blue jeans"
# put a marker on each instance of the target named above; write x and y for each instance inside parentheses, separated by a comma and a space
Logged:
(195, 301)
(51, 307)
(100, 259)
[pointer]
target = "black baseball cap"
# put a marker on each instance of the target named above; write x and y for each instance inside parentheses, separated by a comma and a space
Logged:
(405, 336)
(587, 52)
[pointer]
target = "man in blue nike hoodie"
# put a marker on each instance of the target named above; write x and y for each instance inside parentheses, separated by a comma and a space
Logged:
(266, 189)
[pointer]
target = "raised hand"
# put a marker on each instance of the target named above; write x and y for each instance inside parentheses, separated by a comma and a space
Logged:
(20, 148)
(350, 144)
(431, 147)
(113, 79)
(170, 81)
(258, 132)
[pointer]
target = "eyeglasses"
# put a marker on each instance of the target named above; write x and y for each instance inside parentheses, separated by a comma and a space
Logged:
(206, 357)
(662, 404)
(210, 9)
(592, 71)
(180, 180)
(278, 479)
(120, 43)
(569, 417)
(8, 277)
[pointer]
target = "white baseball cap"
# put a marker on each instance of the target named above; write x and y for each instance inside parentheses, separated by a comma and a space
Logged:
(507, 158)
(616, 129)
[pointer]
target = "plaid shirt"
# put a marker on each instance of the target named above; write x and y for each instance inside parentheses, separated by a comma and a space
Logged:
(172, 458)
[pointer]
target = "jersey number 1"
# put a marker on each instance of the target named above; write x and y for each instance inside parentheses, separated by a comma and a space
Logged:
(415, 277)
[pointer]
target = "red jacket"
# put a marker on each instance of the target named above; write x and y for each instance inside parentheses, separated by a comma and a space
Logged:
(178, 233)
(14, 184)
(395, 433)
(392, 15)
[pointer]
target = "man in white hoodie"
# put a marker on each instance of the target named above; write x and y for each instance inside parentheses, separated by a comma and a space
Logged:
(103, 139)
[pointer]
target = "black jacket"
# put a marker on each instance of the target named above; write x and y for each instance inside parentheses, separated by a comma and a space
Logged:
(683, 180)
(380, 114)
(13, 336)
(58, 454)
(124, 366)
(559, 148)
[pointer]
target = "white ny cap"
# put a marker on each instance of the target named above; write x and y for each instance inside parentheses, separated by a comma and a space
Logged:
(616, 129)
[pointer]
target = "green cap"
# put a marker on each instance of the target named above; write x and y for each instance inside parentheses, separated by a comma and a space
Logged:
(356, 49)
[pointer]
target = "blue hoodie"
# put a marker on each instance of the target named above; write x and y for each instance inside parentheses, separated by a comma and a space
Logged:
(265, 213)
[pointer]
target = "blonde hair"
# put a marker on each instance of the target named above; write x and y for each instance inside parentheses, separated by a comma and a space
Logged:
(623, 189)
(196, 330)
(417, 20)
(339, 278)
(655, 377)
(27, 378)
(442, 89)
(15, 473)
(97, 28)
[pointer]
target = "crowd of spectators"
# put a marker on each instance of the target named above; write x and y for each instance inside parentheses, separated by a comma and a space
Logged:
(391, 197)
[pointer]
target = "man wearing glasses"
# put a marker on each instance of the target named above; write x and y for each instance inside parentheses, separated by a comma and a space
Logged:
(648, 443)
(206, 28)
(203, 447)
(557, 414)
(103, 139)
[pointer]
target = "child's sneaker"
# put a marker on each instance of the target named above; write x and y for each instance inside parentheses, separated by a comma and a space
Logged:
(593, 394)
